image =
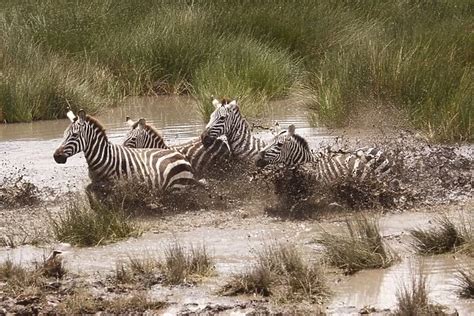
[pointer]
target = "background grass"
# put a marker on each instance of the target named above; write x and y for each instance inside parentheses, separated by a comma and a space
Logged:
(341, 57)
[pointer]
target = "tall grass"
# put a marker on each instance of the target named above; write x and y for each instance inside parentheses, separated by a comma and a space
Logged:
(344, 56)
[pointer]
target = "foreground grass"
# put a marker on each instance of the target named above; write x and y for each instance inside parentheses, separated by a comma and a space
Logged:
(359, 247)
(18, 279)
(342, 57)
(84, 225)
(281, 272)
(465, 283)
(412, 299)
(445, 236)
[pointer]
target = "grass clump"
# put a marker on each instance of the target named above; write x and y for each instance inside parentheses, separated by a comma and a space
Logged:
(145, 271)
(181, 266)
(83, 302)
(465, 283)
(360, 247)
(413, 299)
(445, 236)
(281, 272)
(84, 225)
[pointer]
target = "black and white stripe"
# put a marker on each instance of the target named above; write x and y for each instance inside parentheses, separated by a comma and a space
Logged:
(201, 158)
(291, 149)
(161, 169)
(226, 120)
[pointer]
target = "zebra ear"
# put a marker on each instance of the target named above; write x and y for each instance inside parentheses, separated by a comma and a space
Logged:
(233, 103)
(70, 115)
(216, 103)
(141, 123)
(291, 130)
(129, 121)
(276, 128)
(81, 114)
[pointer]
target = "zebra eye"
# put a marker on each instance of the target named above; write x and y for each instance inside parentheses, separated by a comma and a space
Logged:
(75, 134)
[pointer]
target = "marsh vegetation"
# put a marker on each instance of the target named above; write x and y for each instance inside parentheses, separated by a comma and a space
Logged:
(338, 57)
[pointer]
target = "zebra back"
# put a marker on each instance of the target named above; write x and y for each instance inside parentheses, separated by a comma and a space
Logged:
(201, 158)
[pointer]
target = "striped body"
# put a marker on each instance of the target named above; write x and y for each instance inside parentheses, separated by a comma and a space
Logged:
(328, 166)
(226, 120)
(161, 169)
(144, 136)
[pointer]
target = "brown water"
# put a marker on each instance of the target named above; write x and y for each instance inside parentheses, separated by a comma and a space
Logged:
(28, 147)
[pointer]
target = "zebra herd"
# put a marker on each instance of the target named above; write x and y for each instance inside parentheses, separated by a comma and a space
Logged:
(145, 156)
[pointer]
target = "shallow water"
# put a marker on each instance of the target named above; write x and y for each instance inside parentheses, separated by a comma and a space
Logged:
(27, 148)
(233, 247)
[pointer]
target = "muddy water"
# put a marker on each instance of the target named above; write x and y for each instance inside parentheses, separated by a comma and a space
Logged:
(27, 148)
(242, 237)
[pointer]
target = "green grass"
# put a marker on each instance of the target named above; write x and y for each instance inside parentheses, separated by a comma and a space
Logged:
(359, 247)
(281, 272)
(340, 57)
(83, 225)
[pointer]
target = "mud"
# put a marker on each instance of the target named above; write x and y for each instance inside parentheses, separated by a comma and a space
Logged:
(235, 216)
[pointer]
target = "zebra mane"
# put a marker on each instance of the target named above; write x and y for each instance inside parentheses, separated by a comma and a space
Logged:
(152, 130)
(300, 140)
(95, 123)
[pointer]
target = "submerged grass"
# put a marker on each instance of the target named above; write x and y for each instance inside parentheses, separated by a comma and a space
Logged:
(360, 247)
(412, 299)
(281, 272)
(343, 56)
(445, 236)
(84, 225)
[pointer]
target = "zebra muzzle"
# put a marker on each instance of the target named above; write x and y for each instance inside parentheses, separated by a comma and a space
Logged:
(207, 140)
(260, 162)
(59, 155)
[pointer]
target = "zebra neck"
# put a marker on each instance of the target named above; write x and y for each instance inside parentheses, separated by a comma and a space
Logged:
(98, 153)
(243, 144)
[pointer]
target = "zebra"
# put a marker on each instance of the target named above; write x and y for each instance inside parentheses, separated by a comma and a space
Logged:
(159, 168)
(226, 120)
(292, 150)
(143, 135)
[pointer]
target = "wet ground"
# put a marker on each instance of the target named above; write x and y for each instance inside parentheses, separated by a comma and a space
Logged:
(439, 179)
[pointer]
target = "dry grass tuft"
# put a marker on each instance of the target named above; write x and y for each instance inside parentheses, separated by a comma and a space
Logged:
(281, 272)
(413, 299)
(180, 266)
(18, 279)
(144, 271)
(445, 236)
(17, 192)
(85, 303)
(465, 283)
(360, 247)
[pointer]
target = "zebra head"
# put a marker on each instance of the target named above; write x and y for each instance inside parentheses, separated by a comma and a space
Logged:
(74, 137)
(143, 135)
(221, 121)
(287, 147)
